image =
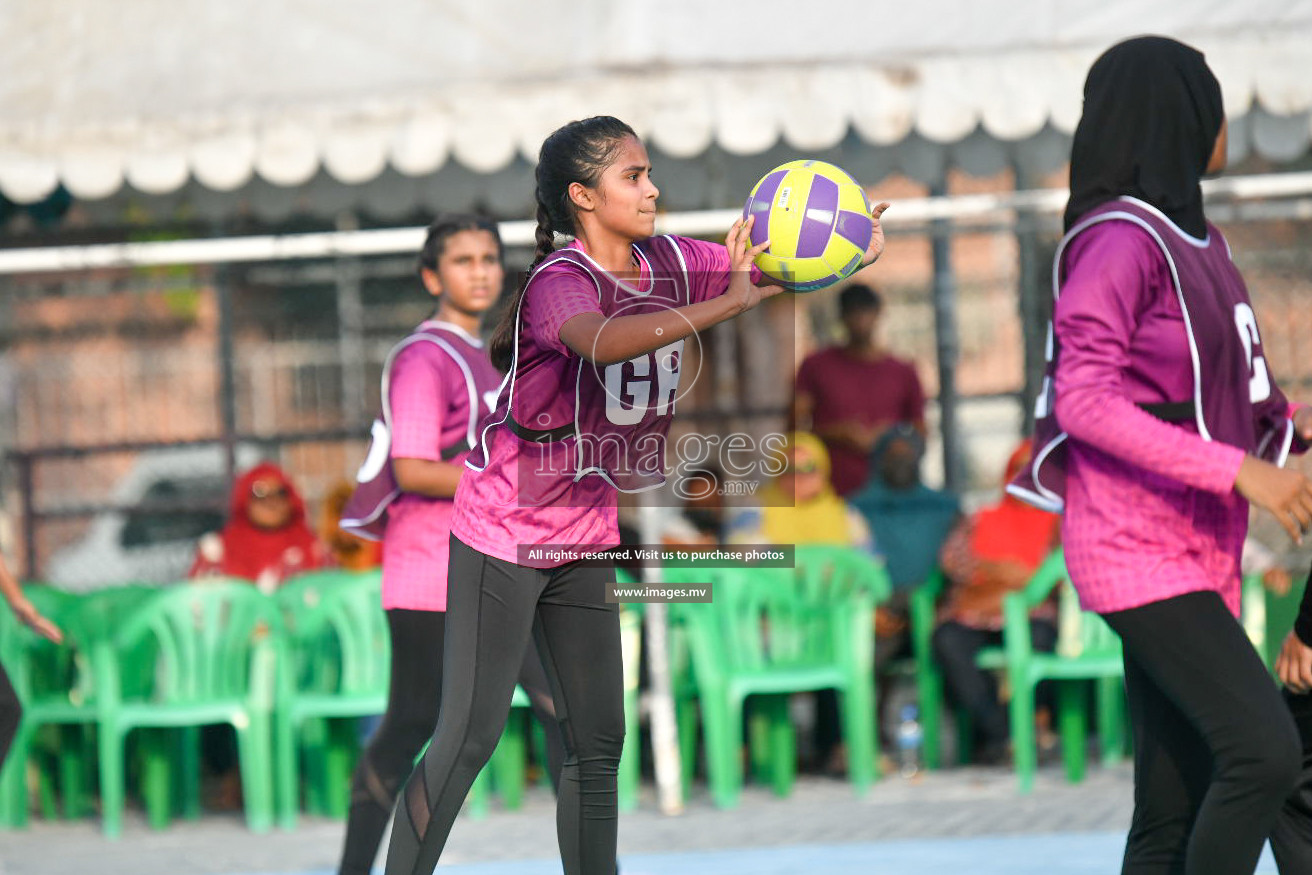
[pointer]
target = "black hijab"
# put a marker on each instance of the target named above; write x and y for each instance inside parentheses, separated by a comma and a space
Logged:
(1152, 112)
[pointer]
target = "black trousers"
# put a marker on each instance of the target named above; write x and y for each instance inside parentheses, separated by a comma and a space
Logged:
(494, 609)
(1216, 750)
(955, 648)
(413, 697)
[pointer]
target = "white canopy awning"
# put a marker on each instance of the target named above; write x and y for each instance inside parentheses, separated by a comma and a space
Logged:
(162, 94)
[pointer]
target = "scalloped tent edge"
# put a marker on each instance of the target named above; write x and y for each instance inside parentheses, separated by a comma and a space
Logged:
(976, 109)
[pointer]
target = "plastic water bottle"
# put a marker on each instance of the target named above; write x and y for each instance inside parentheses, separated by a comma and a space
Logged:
(909, 739)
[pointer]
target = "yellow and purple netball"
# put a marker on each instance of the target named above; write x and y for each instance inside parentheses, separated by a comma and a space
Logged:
(817, 220)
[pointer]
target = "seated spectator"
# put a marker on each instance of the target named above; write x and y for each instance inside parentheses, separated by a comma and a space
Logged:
(266, 539)
(800, 506)
(347, 550)
(910, 522)
(991, 553)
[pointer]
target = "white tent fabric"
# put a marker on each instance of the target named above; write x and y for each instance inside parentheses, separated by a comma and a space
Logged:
(160, 94)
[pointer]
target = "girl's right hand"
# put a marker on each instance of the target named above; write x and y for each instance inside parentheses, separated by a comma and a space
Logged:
(741, 258)
(1286, 493)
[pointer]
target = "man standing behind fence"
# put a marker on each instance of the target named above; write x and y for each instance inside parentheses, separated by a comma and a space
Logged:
(851, 393)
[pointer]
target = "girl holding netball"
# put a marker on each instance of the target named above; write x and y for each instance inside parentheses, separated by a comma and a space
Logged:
(1172, 423)
(437, 384)
(592, 346)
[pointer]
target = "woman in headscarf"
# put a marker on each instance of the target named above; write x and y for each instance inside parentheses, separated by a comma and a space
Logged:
(991, 554)
(908, 519)
(1159, 381)
(800, 506)
(266, 539)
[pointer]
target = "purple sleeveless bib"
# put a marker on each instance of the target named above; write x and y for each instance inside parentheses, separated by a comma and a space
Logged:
(1231, 380)
(607, 420)
(365, 513)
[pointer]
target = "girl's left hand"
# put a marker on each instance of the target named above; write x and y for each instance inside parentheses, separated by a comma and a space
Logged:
(741, 257)
(1294, 665)
(876, 247)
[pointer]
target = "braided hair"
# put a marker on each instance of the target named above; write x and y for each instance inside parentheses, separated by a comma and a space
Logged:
(578, 152)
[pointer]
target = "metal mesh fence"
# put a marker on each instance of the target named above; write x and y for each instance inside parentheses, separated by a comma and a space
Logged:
(122, 388)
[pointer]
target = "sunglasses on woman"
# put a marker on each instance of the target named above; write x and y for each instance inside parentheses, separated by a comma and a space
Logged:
(268, 490)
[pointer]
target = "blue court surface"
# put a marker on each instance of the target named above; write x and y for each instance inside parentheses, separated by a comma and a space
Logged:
(1070, 854)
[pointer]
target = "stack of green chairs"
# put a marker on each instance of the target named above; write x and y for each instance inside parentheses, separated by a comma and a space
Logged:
(340, 660)
(684, 691)
(1087, 650)
(99, 613)
(192, 655)
(765, 635)
(844, 575)
(54, 687)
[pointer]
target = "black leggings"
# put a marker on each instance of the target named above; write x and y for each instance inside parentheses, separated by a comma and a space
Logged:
(495, 607)
(11, 711)
(1215, 749)
(412, 710)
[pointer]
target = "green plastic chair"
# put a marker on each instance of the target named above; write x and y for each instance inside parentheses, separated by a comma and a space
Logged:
(922, 608)
(839, 574)
(340, 659)
(683, 690)
(1087, 650)
(213, 650)
(55, 691)
(167, 761)
(1277, 615)
(766, 635)
(1268, 617)
(842, 572)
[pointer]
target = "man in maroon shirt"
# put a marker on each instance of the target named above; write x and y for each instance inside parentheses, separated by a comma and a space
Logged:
(849, 394)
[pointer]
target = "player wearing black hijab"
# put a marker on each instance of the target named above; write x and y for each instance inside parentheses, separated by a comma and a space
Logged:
(1149, 311)
(1152, 115)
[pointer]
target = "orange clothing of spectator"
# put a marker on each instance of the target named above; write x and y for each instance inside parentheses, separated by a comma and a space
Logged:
(349, 551)
(994, 552)
(266, 539)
